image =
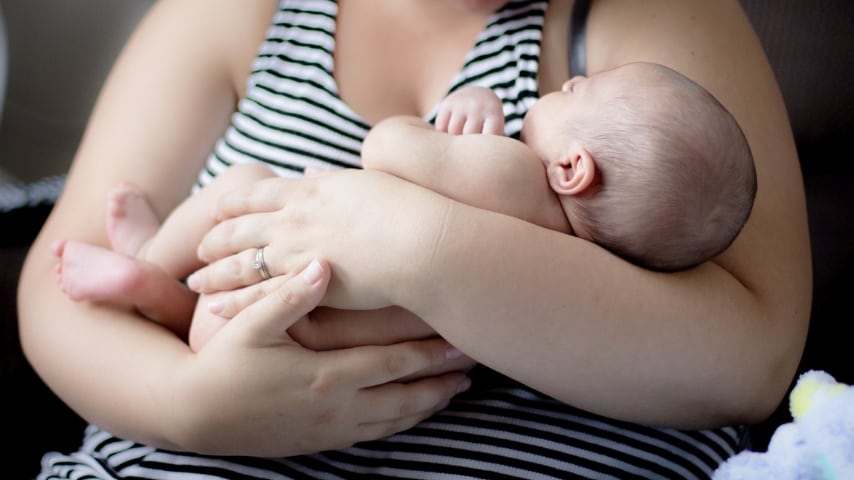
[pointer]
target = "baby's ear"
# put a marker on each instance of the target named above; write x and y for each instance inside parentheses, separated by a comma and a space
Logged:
(573, 172)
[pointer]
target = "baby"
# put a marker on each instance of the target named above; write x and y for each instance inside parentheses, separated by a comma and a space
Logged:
(639, 159)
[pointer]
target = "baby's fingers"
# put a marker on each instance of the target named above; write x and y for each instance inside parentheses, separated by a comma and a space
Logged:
(494, 125)
(457, 123)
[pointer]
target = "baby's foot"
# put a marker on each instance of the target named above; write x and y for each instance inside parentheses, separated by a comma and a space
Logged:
(130, 219)
(88, 272)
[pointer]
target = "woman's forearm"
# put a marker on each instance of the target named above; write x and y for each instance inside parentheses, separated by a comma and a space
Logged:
(713, 345)
(90, 356)
(716, 344)
(571, 320)
(139, 381)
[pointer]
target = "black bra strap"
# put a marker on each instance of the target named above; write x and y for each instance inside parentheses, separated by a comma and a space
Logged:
(577, 46)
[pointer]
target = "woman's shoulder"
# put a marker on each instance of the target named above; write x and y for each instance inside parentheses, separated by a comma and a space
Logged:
(221, 37)
(244, 26)
(681, 32)
(687, 35)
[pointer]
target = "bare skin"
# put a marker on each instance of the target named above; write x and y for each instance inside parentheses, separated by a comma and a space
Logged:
(199, 76)
(118, 276)
(131, 220)
(729, 333)
(713, 346)
(97, 274)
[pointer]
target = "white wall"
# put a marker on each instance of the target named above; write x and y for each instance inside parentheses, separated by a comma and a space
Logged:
(59, 54)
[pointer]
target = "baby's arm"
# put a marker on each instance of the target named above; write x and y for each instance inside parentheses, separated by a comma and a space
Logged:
(411, 148)
(487, 171)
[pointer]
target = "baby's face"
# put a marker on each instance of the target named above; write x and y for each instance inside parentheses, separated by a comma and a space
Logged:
(545, 127)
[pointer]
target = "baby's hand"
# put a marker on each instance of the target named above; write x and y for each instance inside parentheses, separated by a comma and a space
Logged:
(471, 110)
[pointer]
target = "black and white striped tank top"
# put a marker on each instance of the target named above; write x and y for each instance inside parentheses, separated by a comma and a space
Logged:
(292, 117)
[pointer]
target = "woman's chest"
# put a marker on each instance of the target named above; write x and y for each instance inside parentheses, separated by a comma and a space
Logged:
(388, 64)
(405, 61)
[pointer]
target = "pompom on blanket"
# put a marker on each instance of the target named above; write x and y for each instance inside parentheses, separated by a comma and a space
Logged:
(817, 445)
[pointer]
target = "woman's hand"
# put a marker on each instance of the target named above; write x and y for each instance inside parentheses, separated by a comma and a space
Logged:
(332, 329)
(328, 328)
(253, 390)
(362, 221)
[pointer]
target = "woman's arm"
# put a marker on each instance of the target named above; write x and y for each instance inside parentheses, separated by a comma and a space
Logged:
(153, 124)
(165, 103)
(718, 344)
(715, 345)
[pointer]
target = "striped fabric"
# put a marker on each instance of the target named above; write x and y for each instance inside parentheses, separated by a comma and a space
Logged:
(292, 117)
(501, 432)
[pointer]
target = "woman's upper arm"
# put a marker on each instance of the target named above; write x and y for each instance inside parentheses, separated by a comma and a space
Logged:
(165, 102)
(714, 43)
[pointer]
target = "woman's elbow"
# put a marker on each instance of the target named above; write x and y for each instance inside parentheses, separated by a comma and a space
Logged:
(770, 370)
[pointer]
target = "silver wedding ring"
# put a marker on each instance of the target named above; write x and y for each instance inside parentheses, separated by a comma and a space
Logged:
(260, 265)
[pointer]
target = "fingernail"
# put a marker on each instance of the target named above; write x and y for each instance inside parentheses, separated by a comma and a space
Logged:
(452, 353)
(312, 273)
(193, 282)
(464, 385)
(215, 307)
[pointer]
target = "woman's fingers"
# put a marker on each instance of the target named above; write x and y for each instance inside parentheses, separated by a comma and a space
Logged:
(234, 272)
(260, 380)
(330, 328)
(228, 304)
(238, 234)
(260, 196)
(362, 367)
(245, 214)
(271, 316)
(404, 402)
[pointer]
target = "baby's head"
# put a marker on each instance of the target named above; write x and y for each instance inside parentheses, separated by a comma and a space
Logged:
(647, 162)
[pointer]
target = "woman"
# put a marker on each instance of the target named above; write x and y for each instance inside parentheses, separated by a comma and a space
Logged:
(561, 321)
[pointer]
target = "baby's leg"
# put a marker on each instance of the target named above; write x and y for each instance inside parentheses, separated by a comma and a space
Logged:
(174, 246)
(205, 324)
(88, 272)
(131, 221)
